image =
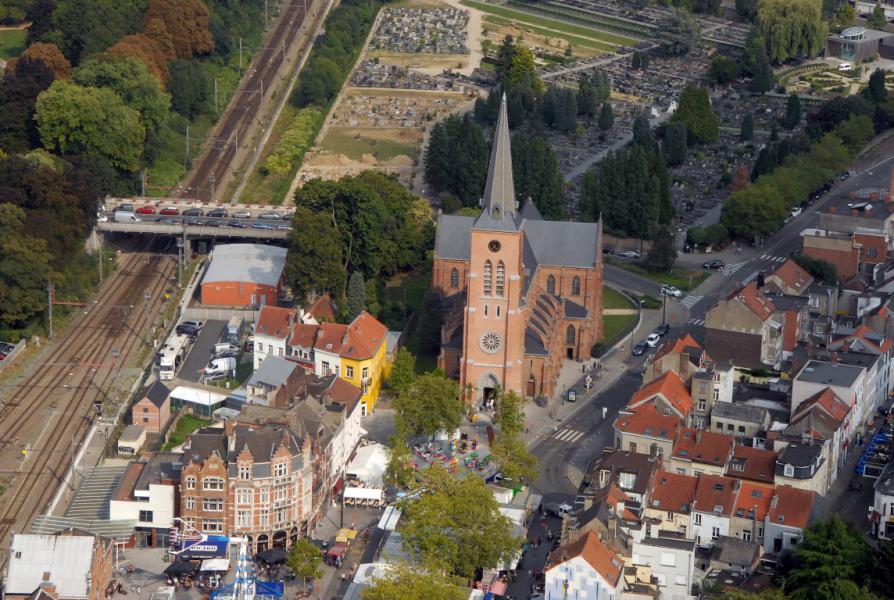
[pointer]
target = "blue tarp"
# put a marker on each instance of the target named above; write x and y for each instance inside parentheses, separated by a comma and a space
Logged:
(266, 589)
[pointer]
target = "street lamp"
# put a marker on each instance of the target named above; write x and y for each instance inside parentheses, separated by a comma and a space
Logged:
(50, 290)
(148, 296)
(179, 262)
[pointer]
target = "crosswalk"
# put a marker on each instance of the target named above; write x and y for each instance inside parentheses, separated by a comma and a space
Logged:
(568, 435)
(774, 259)
(690, 301)
(731, 269)
(696, 321)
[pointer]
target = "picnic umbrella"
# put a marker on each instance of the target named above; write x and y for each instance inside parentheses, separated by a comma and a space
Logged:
(272, 556)
(180, 567)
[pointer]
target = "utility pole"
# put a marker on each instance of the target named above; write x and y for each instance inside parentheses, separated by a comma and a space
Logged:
(143, 185)
(100, 263)
(266, 24)
(216, 112)
(148, 296)
(186, 155)
(663, 309)
(240, 55)
(50, 290)
(212, 179)
(180, 260)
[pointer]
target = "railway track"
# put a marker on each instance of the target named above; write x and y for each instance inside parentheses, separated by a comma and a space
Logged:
(44, 416)
(209, 172)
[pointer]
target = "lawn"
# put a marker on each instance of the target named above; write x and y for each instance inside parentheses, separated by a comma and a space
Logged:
(685, 279)
(185, 426)
(554, 24)
(614, 299)
(612, 325)
(574, 40)
(354, 145)
(12, 42)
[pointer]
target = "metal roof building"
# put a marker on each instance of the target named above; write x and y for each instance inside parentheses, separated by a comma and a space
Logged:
(66, 559)
(243, 275)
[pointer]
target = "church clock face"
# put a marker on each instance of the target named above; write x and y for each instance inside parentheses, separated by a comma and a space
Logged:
(494, 246)
(491, 342)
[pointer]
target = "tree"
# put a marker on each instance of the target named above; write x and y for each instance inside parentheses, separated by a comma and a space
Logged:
(12, 11)
(746, 131)
(855, 132)
(694, 111)
(882, 577)
(877, 19)
(606, 116)
(587, 104)
(757, 64)
(403, 371)
(431, 403)
(189, 87)
(792, 111)
(754, 212)
(747, 9)
(566, 117)
(304, 560)
(536, 174)
(186, 24)
(403, 582)
(18, 95)
(40, 15)
(675, 148)
(146, 50)
(24, 269)
(510, 412)
(86, 27)
(505, 57)
(314, 264)
(49, 54)
(831, 550)
(356, 295)
(818, 268)
(456, 158)
(791, 28)
(523, 68)
(512, 455)
(399, 471)
(132, 81)
(79, 120)
(428, 326)
(677, 33)
(740, 179)
(724, 70)
(876, 92)
(642, 132)
(663, 253)
(456, 526)
(845, 15)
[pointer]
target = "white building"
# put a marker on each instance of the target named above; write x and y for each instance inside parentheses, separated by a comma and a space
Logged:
(714, 500)
(146, 494)
(272, 331)
(671, 562)
(327, 349)
(846, 381)
(883, 504)
(584, 569)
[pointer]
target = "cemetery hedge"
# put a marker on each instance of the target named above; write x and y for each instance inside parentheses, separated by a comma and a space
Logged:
(294, 142)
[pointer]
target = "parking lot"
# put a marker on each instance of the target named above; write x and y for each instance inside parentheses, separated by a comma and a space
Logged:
(201, 350)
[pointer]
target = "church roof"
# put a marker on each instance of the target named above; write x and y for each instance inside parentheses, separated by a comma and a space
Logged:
(529, 211)
(499, 192)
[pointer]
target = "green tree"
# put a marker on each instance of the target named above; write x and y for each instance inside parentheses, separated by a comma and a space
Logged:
(830, 551)
(77, 120)
(677, 33)
(566, 117)
(12, 11)
(18, 95)
(314, 264)
(131, 80)
(694, 111)
(536, 174)
(404, 582)
(510, 412)
(523, 68)
(24, 270)
(428, 326)
(431, 403)
(399, 471)
(746, 131)
(882, 577)
(456, 158)
(456, 526)
(791, 28)
(724, 70)
(304, 560)
(757, 64)
(642, 133)
(675, 148)
(189, 88)
(877, 19)
(747, 9)
(876, 92)
(845, 15)
(855, 132)
(587, 104)
(818, 268)
(403, 371)
(356, 295)
(792, 111)
(512, 455)
(606, 116)
(85, 27)
(663, 253)
(754, 212)
(505, 57)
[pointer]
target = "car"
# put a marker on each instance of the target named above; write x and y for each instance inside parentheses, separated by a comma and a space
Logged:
(261, 226)
(169, 210)
(284, 227)
(796, 211)
(145, 210)
(713, 264)
(630, 254)
(639, 349)
(193, 212)
(556, 509)
(652, 340)
(126, 207)
(227, 354)
(237, 224)
(608, 250)
(218, 212)
(242, 214)
(213, 223)
(191, 221)
(165, 220)
(289, 216)
(662, 330)
(190, 328)
(669, 290)
(196, 324)
(270, 216)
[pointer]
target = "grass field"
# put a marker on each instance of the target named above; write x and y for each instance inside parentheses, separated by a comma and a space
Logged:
(614, 299)
(613, 324)
(354, 146)
(185, 426)
(571, 39)
(12, 43)
(554, 24)
(685, 279)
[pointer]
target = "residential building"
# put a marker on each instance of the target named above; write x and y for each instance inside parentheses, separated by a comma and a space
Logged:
(684, 356)
(789, 279)
(613, 515)
(70, 565)
(670, 503)
(585, 569)
(741, 329)
(736, 555)
(272, 331)
(274, 383)
(523, 294)
(327, 349)
(153, 410)
(671, 564)
(742, 421)
(835, 248)
(698, 452)
(301, 344)
(882, 517)
(364, 358)
(753, 464)
(804, 466)
(669, 394)
(322, 309)
(847, 382)
(750, 511)
(790, 513)
(855, 346)
(711, 386)
(147, 493)
(630, 471)
(714, 500)
(794, 314)
(823, 419)
(646, 430)
(204, 482)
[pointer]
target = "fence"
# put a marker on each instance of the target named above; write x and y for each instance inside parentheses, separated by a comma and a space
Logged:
(7, 360)
(606, 348)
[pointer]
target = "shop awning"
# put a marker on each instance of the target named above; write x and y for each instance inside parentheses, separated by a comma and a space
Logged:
(359, 493)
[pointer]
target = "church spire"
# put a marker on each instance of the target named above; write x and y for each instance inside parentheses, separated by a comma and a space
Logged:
(499, 193)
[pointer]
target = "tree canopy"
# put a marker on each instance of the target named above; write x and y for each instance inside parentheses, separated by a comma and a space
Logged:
(314, 264)
(694, 111)
(456, 159)
(85, 27)
(791, 28)
(536, 175)
(24, 269)
(304, 559)
(429, 404)
(403, 582)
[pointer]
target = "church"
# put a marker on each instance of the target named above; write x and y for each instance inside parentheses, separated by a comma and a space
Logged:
(522, 294)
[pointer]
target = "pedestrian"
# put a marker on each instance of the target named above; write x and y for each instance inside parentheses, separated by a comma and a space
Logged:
(604, 411)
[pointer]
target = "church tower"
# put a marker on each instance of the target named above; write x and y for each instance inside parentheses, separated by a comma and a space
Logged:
(494, 324)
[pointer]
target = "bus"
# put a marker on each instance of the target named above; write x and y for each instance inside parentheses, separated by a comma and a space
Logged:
(173, 355)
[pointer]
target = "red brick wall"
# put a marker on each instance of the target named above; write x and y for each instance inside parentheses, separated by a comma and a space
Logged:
(149, 416)
(874, 249)
(441, 271)
(845, 262)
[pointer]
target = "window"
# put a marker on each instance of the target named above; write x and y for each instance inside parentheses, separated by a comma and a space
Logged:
(454, 278)
(730, 427)
(243, 518)
(280, 469)
(349, 372)
(212, 504)
(575, 286)
(719, 426)
(668, 559)
(813, 302)
(190, 503)
(212, 526)
(741, 429)
(190, 483)
(265, 517)
(265, 496)
(244, 471)
(746, 535)
(325, 366)
(498, 312)
(698, 519)
(145, 516)
(365, 373)
(716, 394)
(488, 278)
(485, 310)
(760, 532)
(501, 278)
(145, 410)
(550, 285)
(670, 516)
(626, 480)
(243, 496)
(570, 335)
(715, 533)
(212, 484)
(789, 471)
(702, 405)
(281, 516)
(871, 252)
(632, 447)
(145, 419)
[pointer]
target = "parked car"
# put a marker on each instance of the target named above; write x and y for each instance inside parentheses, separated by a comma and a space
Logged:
(261, 226)
(557, 510)
(630, 254)
(284, 227)
(146, 210)
(126, 207)
(608, 249)
(218, 212)
(669, 290)
(169, 210)
(126, 217)
(662, 330)
(191, 221)
(270, 216)
(193, 212)
(796, 211)
(652, 340)
(288, 216)
(190, 328)
(214, 223)
(242, 214)
(713, 264)
(639, 349)
(165, 221)
(237, 224)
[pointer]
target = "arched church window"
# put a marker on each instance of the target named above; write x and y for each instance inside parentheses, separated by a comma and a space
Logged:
(550, 285)
(501, 278)
(454, 278)
(488, 278)
(570, 335)
(575, 286)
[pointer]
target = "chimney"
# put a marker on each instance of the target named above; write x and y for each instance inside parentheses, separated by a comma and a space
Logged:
(834, 209)
(230, 426)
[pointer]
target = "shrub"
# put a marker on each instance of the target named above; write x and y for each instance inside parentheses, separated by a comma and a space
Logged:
(294, 142)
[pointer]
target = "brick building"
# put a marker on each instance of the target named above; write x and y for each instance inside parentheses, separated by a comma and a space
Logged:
(522, 293)
(243, 275)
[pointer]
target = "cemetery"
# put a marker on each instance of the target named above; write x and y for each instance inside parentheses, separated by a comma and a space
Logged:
(421, 31)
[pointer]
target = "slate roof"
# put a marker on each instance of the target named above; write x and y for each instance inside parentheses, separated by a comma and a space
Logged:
(799, 455)
(573, 310)
(204, 443)
(453, 237)
(734, 551)
(829, 373)
(601, 558)
(739, 412)
(530, 212)
(274, 371)
(262, 442)
(499, 191)
(533, 343)
(157, 394)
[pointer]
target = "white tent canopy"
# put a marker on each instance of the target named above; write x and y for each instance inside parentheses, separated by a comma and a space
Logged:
(369, 465)
(215, 564)
(359, 493)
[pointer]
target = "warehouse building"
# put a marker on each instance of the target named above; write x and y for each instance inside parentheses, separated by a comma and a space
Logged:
(243, 275)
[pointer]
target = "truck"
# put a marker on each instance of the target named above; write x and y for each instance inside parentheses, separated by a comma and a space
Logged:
(126, 217)
(234, 329)
(221, 366)
(172, 356)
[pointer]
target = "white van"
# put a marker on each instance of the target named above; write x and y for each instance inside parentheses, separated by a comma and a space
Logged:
(126, 217)
(219, 366)
(845, 67)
